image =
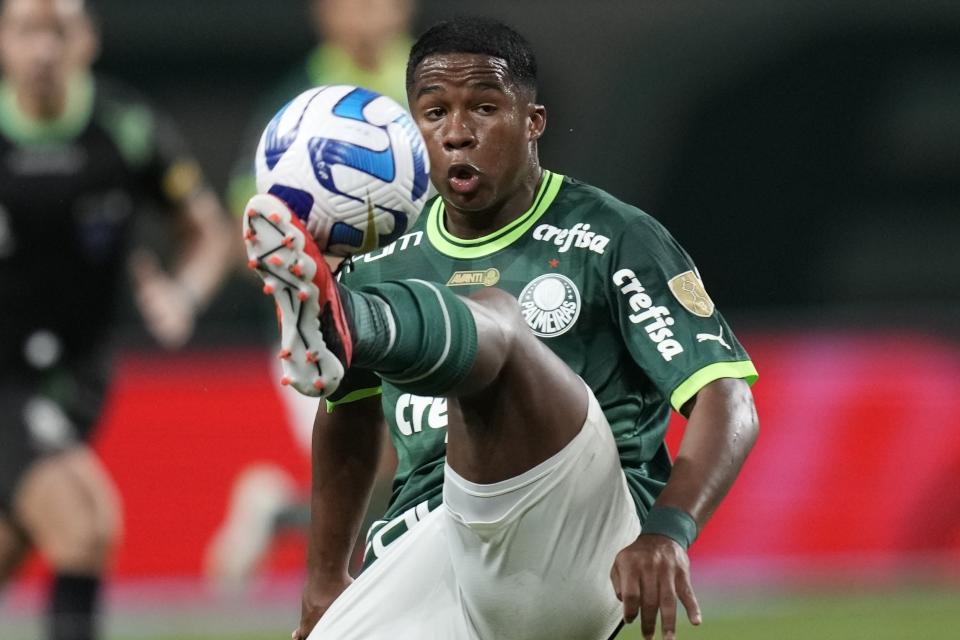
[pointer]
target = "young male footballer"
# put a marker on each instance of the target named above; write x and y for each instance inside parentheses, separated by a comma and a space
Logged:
(525, 342)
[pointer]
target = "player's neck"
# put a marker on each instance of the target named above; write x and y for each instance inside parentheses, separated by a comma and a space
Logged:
(470, 225)
(43, 107)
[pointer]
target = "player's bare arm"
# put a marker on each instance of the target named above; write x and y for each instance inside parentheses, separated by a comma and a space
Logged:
(170, 302)
(653, 573)
(346, 449)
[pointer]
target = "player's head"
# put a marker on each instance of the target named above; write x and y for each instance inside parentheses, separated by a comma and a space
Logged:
(478, 35)
(43, 43)
(361, 27)
(471, 86)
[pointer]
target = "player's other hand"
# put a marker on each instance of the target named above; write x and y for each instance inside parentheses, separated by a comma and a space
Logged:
(167, 307)
(650, 575)
(317, 597)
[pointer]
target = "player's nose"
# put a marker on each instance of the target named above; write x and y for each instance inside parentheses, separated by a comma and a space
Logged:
(458, 134)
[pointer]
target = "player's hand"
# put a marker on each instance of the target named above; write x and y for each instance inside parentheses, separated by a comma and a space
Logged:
(317, 598)
(168, 309)
(649, 576)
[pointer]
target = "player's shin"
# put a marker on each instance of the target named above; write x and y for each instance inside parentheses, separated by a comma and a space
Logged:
(419, 336)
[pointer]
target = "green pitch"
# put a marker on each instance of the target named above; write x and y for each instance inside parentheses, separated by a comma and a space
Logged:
(851, 615)
(932, 614)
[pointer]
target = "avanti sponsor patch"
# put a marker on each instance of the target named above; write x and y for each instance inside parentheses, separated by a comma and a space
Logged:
(688, 289)
(485, 277)
(550, 304)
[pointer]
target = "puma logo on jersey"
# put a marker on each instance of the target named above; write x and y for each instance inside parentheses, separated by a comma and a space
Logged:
(656, 320)
(579, 236)
(703, 337)
(411, 239)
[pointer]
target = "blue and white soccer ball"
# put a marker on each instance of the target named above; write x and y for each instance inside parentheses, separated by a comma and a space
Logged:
(349, 162)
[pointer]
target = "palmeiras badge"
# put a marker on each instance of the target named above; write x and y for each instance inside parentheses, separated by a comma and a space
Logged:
(550, 304)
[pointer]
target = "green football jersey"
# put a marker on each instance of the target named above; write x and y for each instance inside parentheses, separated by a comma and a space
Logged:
(600, 282)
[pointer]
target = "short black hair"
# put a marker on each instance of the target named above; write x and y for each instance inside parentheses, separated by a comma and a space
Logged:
(475, 34)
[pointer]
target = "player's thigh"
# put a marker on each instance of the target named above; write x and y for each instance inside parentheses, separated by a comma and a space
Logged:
(97, 484)
(13, 548)
(519, 405)
(409, 594)
(532, 555)
(59, 514)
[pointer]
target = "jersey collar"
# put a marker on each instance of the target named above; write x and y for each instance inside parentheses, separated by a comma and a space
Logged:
(22, 129)
(448, 244)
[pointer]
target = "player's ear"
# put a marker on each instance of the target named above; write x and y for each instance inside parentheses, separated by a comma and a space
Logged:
(537, 121)
(88, 42)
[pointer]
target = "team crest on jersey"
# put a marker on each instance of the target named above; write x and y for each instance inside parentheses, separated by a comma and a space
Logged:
(486, 277)
(550, 304)
(688, 289)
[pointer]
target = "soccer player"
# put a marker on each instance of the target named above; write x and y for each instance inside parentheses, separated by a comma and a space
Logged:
(78, 159)
(520, 495)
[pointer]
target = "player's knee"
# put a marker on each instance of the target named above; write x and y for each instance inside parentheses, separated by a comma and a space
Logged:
(107, 533)
(499, 318)
(69, 526)
(82, 545)
(497, 301)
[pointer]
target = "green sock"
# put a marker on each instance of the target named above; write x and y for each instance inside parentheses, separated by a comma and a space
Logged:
(417, 335)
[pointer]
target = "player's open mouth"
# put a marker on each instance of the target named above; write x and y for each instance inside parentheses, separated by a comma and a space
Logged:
(463, 178)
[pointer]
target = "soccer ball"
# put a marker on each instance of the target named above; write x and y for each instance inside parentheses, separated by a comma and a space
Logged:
(350, 163)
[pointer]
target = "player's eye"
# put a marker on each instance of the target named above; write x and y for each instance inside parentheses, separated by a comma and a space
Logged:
(486, 109)
(434, 113)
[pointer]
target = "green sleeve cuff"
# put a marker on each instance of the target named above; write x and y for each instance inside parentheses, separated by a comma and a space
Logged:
(688, 388)
(353, 396)
(671, 522)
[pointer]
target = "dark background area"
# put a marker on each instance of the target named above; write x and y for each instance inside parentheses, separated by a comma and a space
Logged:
(807, 154)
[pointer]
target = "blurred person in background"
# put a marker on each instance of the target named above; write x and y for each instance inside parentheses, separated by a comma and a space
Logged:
(79, 159)
(363, 43)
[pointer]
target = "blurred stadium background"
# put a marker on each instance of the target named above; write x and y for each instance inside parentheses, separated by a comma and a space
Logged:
(807, 154)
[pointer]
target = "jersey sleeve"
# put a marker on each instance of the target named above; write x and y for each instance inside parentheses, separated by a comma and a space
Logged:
(668, 322)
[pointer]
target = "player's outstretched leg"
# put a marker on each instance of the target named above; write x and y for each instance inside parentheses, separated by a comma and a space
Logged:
(516, 401)
(416, 334)
(409, 331)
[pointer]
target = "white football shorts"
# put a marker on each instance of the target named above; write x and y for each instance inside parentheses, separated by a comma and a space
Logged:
(528, 558)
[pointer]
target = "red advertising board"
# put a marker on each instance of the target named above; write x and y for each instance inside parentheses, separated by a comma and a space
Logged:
(857, 464)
